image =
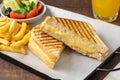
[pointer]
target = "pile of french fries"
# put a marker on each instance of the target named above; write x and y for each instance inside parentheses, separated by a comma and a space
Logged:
(14, 36)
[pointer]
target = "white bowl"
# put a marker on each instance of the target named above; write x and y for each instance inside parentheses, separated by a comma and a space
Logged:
(29, 20)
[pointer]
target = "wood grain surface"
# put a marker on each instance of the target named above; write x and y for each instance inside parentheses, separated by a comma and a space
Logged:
(9, 71)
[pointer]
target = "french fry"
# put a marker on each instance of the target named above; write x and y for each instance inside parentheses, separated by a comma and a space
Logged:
(5, 28)
(12, 40)
(2, 24)
(5, 42)
(13, 35)
(13, 31)
(2, 35)
(28, 29)
(8, 36)
(5, 36)
(3, 19)
(17, 30)
(22, 42)
(22, 31)
(8, 48)
(14, 25)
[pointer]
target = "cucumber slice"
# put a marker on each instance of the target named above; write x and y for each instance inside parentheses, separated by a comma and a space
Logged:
(35, 1)
(27, 3)
(12, 4)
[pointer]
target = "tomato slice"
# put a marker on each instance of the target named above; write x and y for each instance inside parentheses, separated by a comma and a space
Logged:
(32, 13)
(18, 1)
(40, 7)
(17, 15)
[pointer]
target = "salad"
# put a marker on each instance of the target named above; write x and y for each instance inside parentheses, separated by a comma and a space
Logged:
(22, 9)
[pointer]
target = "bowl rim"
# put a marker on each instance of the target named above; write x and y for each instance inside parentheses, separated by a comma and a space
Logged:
(40, 15)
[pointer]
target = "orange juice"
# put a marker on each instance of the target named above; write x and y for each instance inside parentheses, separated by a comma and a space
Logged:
(106, 9)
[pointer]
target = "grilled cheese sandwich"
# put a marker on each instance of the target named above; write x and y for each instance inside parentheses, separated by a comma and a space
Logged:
(78, 35)
(47, 48)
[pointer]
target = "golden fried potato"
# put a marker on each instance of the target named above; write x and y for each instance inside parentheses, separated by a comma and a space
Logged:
(8, 37)
(22, 42)
(17, 30)
(2, 24)
(3, 19)
(12, 40)
(22, 31)
(13, 35)
(8, 48)
(2, 36)
(28, 29)
(5, 36)
(13, 26)
(5, 42)
(4, 28)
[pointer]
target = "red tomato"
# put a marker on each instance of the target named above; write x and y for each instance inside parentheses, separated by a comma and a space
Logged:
(32, 13)
(18, 1)
(17, 15)
(40, 7)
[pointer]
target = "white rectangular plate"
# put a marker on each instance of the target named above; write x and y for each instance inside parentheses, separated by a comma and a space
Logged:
(72, 65)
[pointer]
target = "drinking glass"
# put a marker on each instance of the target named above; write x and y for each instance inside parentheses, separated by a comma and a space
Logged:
(106, 10)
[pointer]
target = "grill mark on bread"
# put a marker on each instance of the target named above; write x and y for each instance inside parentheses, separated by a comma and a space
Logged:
(67, 25)
(53, 45)
(75, 27)
(46, 38)
(83, 29)
(89, 33)
(79, 29)
(95, 38)
(64, 23)
(49, 42)
(92, 33)
(72, 26)
(58, 20)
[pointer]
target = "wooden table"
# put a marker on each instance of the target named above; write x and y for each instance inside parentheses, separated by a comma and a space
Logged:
(9, 71)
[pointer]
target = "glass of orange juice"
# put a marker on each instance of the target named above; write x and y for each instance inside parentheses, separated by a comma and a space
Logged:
(106, 10)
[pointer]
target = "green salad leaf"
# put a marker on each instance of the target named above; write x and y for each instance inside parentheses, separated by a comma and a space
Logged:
(21, 10)
(21, 4)
(32, 5)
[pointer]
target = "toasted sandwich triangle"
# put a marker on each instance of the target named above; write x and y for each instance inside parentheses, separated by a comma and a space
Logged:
(47, 48)
(78, 35)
